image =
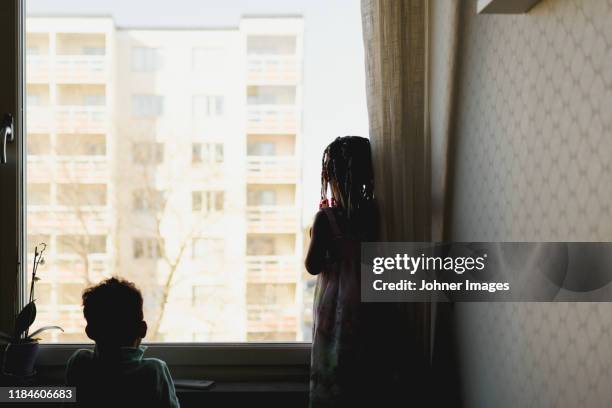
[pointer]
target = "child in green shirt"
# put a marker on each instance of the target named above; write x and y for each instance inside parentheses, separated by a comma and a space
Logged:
(115, 374)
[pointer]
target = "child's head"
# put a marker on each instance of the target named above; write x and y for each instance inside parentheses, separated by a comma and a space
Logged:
(347, 169)
(113, 310)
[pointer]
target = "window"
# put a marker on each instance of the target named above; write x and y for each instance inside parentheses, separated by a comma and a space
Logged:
(81, 244)
(147, 200)
(94, 100)
(81, 145)
(147, 106)
(261, 197)
(38, 144)
(207, 153)
(270, 294)
(207, 201)
(270, 95)
(271, 45)
(261, 245)
(182, 158)
(146, 59)
(92, 50)
(148, 153)
(69, 294)
(261, 149)
(148, 248)
(39, 194)
(77, 195)
(207, 105)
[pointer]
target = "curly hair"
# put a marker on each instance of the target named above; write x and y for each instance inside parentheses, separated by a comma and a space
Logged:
(113, 309)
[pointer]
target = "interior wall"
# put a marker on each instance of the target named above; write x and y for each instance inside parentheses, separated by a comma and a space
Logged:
(532, 162)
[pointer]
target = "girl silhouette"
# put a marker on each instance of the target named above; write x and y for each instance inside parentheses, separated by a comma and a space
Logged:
(340, 368)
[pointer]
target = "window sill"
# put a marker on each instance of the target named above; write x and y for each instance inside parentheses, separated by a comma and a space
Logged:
(199, 354)
(221, 362)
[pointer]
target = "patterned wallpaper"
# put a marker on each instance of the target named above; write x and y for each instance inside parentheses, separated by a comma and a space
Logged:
(533, 162)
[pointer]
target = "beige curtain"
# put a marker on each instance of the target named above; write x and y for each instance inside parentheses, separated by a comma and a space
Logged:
(410, 72)
(395, 39)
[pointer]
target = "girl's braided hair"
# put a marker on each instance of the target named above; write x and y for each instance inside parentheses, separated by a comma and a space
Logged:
(347, 162)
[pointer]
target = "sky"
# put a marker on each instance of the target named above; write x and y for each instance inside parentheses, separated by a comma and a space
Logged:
(334, 100)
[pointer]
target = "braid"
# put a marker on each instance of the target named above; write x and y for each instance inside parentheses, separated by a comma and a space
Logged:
(347, 162)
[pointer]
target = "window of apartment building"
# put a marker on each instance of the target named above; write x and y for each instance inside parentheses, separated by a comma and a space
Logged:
(270, 293)
(261, 197)
(271, 44)
(80, 145)
(69, 294)
(38, 144)
(32, 50)
(39, 193)
(147, 248)
(210, 248)
(81, 244)
(37, 239)
(271, 95)
(148, 152)
(81, 194)
(147, 106)
(261, 149)
(207, 153)
(207, 105)
(207, 201)
(146, 59)
(260, 245)
(94, 100)
(93, 50)
(147, 200)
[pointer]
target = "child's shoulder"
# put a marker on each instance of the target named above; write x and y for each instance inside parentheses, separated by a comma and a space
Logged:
(81, 356)
(154, 365)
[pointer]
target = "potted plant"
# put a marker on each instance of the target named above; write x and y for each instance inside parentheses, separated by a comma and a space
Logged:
(22, 348)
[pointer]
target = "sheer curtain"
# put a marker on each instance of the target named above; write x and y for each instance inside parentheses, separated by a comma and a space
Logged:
(395, 39)
(410, 72)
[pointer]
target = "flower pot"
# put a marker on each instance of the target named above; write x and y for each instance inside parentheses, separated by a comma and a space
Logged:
(19, 359)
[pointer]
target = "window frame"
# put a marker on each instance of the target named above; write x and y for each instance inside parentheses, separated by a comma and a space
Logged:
(14, 255)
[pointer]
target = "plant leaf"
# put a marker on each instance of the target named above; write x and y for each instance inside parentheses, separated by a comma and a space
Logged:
(42, 329)
(6, 337)
(25, 318)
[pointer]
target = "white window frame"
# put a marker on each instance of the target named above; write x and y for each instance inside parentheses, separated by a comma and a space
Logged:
(229, 359)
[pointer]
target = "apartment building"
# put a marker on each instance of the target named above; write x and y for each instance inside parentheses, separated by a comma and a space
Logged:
(171, 157)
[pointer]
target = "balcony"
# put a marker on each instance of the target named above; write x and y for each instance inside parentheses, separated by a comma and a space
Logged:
(75, 219)
(39, 119)
(272, 219)
(37, 69)
(272, 169)
(272, 269)
(272, 318)
(82, 170)
(272, 69)
(80, 69)
(272, 119)
(81, 119)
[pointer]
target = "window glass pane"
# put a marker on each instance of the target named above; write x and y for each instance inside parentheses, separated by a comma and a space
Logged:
(39, 194)
(183, 153)
(38, 144)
